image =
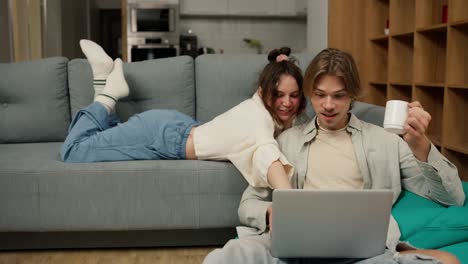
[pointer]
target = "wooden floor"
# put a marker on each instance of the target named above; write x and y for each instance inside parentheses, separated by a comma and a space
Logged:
(114, 256)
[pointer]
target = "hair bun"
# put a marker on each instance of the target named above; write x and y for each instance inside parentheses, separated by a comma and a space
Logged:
(276, 52)
(285, 51)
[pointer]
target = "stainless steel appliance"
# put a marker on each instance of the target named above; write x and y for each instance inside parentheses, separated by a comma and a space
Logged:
(189, 44)
(152, 29)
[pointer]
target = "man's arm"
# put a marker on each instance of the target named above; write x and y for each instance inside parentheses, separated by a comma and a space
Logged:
(253, 207)
(436, 179)
(415, 131)
(439, 179)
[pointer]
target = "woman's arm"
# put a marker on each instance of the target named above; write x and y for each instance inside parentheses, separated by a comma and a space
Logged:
(277, 177)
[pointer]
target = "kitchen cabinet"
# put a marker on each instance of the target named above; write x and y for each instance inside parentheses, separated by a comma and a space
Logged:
(301, 7)
(252, 8)
(203, 7)
(287, 8)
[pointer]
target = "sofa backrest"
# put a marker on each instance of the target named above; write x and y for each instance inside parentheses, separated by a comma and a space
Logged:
(34, 104)
(36, 99)
(370, 113)
(225, 80)
(162, 84)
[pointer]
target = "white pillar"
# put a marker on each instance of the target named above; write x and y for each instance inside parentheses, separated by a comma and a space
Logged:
(317, 25)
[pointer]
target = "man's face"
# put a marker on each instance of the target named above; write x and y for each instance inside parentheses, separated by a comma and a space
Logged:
(331, 101)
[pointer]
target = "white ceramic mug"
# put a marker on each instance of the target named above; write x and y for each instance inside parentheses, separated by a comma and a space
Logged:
(396, 112)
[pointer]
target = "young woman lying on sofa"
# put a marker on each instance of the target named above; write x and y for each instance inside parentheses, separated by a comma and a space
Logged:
(244, 135)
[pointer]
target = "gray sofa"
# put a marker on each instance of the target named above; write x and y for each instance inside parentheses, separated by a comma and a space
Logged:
(45, 203)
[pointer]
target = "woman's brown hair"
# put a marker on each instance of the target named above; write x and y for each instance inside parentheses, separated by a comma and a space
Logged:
(270, 76)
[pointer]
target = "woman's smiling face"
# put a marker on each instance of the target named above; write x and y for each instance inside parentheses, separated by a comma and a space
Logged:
(288, 99)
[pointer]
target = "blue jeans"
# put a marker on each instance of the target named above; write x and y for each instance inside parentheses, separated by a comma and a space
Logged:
(95, 135)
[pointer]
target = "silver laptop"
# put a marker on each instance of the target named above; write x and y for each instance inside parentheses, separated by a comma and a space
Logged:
(330, 224)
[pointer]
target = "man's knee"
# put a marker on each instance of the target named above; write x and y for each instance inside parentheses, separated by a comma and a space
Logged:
(240, 251)
(215, 256)
(445, 257)
(228, 254)
(442, 256)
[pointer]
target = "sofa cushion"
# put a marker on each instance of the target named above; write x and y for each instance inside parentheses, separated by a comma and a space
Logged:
(154, 84)
(231, 77)
(34, 105)
(427, 224)
(41, 193)
(373, 114)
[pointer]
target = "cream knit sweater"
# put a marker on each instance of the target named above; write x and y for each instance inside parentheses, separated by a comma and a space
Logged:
(243, 135)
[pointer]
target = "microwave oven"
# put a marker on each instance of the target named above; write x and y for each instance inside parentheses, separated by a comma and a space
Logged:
(154, 19)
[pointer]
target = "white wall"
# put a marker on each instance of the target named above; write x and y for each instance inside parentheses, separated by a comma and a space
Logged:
(317, 25)
(218, 33)
(228, 34)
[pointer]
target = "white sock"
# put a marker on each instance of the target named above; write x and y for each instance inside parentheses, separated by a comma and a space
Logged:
(116, 87)
(101, 64)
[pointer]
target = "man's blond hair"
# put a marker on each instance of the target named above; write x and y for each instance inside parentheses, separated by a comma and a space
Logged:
(333, 62)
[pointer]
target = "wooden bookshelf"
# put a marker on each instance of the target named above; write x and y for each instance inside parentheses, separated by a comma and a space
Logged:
(402, 16)
(379, 61)
(378, 13)
(432, 98)
(457, 55)
(460, 160)
(400, 59)
(458, 10)
(455, 112)
(429, 12)
(424, 57)
(378, 93)
(430, 50)
(399, 92)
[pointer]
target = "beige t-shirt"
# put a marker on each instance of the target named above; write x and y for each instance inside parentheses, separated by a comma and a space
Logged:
(332, 162)
(243, 135)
